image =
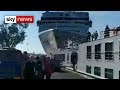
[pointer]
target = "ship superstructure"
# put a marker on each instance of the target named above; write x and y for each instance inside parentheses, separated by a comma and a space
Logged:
(56, 29)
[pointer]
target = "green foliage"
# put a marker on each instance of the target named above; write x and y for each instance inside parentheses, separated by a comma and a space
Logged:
(12, 34)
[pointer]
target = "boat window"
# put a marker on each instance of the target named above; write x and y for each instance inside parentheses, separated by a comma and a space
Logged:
(60, 57)
(88, 69)
(89, 52)
(98, 51)
(109, 51)
(97, 71)
(68, 57)
(66, 14)
(108, 73)
(61, 14)
(63, 57)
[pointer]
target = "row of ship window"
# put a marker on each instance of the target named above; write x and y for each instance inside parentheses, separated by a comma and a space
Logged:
(109, 55)
(86, 23)
(60, 57)
(97, 71)
(64, 18)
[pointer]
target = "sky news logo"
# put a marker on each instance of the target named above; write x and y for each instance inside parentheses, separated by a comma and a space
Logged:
(19, 19)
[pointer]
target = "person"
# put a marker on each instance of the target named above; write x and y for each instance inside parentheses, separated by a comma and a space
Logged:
(38, 69)
(93, 36)
(74, 60)
(43, 60)
(25, 57)
(74, 67)
(96, 35)
(88, 36)
(29, 68)
(73, 63)
(53, 64)
(107, 32)
(117, 30)
(48, 68)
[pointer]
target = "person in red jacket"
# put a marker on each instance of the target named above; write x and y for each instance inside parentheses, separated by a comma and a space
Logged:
(48, 68)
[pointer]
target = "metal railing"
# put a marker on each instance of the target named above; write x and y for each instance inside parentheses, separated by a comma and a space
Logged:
(108, 55)
(110, 34)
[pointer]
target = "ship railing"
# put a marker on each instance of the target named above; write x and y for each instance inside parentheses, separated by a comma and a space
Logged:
(107, 56)
(72, 48)
(110, 33)
(101, 35)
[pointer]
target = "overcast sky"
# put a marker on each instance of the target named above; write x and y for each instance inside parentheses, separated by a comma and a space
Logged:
(100, 20)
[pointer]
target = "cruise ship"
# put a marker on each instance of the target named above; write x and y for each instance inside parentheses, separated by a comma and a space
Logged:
(61, 34)
(57, 29)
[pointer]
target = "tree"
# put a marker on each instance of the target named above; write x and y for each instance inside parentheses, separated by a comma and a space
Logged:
(12, 34)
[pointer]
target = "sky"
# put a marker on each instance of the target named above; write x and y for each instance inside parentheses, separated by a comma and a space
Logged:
(100, 20)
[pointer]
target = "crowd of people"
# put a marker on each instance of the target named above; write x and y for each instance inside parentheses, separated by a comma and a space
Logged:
(38, 67)
(91, 37)
(107, 31)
